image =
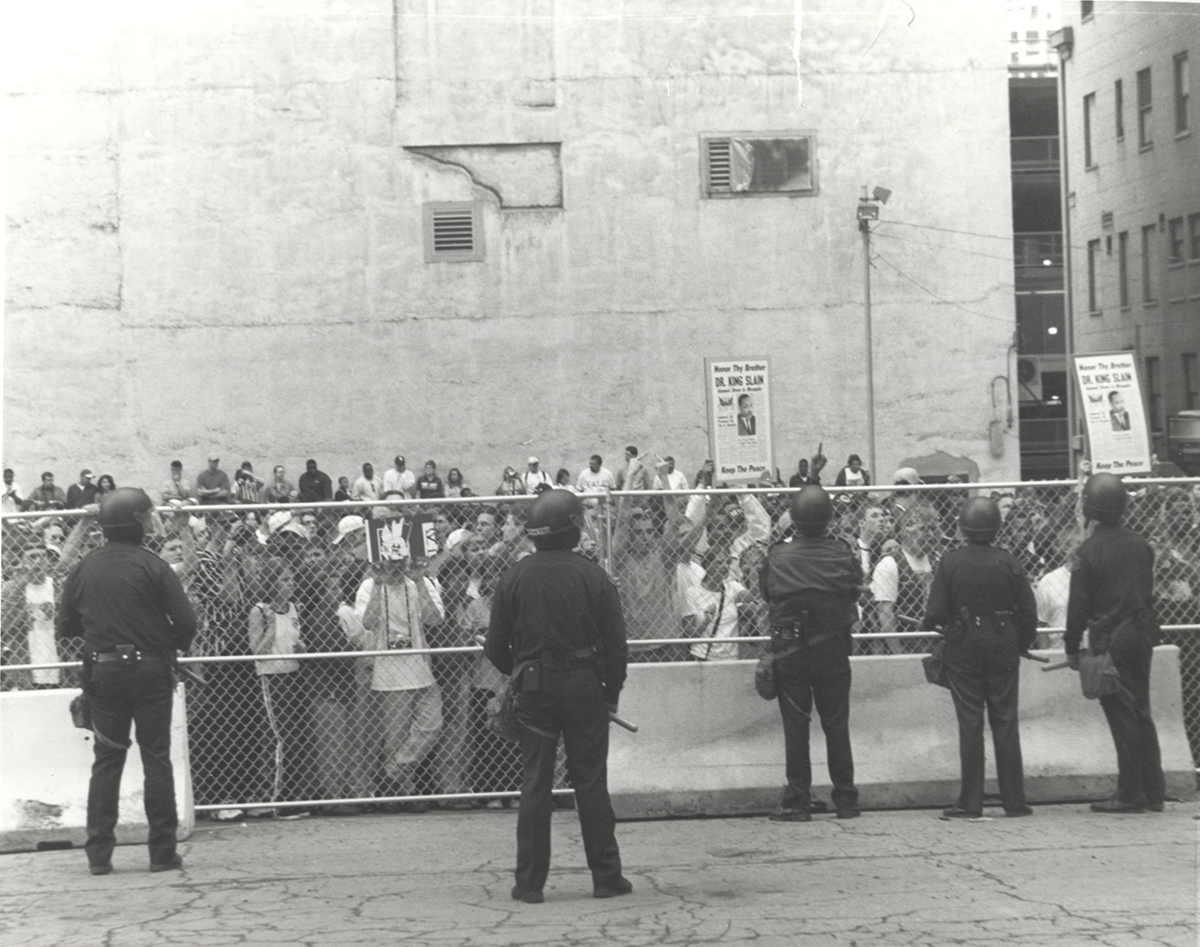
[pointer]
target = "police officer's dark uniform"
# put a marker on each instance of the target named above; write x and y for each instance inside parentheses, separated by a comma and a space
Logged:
(130, 609)
(810, 583)
(982, 598)
(556, 618)
(1112, 596)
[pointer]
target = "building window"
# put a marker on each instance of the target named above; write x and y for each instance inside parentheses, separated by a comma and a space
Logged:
(1031, 36)
(1181, 93)
(1033, 13)
(1085, 9)
(748, 166)
(1175, 239)
(1119, 105)
(453, 232)
(1014, 36)
(1154, 392)
(1145, 133)
(1089, 109)
(1148, 263)
(1194, 237)
(1123, 267)
(1191, 382)
(1093, 254)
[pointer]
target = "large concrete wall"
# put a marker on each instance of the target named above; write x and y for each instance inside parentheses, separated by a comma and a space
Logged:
(215, 232)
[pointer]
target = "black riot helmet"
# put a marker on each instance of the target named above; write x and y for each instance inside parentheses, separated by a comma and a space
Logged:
(555, 520)
(980, 519)
(1104, 498)
(811, 510)
(122, 514)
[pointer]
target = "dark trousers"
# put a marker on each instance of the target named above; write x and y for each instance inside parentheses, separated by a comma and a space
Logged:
(570, 703)
(817, 674)
(122, 695)
(286, 766)
(1139, 761)
(983, 671)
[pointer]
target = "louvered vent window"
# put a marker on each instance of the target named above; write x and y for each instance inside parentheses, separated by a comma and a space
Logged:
(453, 232)
(758, 165)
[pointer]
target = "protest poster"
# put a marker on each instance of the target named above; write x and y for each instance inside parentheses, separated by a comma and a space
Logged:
(1111, 406)
(738, 391)
(395, 539)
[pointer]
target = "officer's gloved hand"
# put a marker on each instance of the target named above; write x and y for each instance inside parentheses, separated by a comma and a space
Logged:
(1073, 661)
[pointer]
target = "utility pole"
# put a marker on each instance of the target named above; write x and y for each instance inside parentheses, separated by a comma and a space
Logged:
(868, 210)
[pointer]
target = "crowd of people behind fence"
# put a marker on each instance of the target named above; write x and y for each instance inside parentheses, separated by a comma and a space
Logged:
(278, 584)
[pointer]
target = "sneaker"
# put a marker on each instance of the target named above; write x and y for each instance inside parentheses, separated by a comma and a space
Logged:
(105, 869)
(849, 812)
(612, 889)
(175, 864)
(1018, 813)
(227, 815)
(529, 897)
(790, 815)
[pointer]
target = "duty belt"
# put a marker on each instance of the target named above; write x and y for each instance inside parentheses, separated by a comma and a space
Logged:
(571, 661)
(996, 622)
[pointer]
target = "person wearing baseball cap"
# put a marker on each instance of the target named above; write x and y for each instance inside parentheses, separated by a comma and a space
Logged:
(82, 493)
(534, 475)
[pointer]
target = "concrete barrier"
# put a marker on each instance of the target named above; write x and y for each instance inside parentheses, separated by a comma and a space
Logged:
(47, 763)
(709, 745)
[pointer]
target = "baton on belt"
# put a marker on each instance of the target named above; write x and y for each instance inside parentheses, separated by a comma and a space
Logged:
(1036, 657)
(1057, 666)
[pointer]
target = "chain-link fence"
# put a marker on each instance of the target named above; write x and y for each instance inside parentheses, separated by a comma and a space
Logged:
(334, 680)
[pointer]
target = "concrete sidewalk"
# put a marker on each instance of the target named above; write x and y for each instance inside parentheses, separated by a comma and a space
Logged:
(1063, 877)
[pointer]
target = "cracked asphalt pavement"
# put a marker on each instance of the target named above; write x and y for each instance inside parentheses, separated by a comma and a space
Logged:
(1064, 877)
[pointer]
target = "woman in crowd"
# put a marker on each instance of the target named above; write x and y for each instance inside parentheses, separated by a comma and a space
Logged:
(275, 630)
(454, 482)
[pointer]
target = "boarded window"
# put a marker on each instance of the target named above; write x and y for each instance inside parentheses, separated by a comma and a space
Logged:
(747, 165)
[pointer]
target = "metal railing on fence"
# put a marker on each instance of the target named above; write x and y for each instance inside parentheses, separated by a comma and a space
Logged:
(332, 680)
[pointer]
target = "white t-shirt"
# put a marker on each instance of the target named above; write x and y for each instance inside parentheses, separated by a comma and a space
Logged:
(589, 482)
(39, 601)
(283, 637)
(399, 481)
(702, 604)
(403, 630)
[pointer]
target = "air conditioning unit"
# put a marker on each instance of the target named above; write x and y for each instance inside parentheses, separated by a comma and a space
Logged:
(1029, 379)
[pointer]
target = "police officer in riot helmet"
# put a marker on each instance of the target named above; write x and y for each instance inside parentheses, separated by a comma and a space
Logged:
(1111, 598)
(810, 582)
(982, 600)
(130, 609)
(557, 628)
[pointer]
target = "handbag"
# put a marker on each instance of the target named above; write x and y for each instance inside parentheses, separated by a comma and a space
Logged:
(934, 664)
(1098, 675)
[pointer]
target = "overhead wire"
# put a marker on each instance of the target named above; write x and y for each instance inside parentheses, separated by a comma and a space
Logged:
(982, 315)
